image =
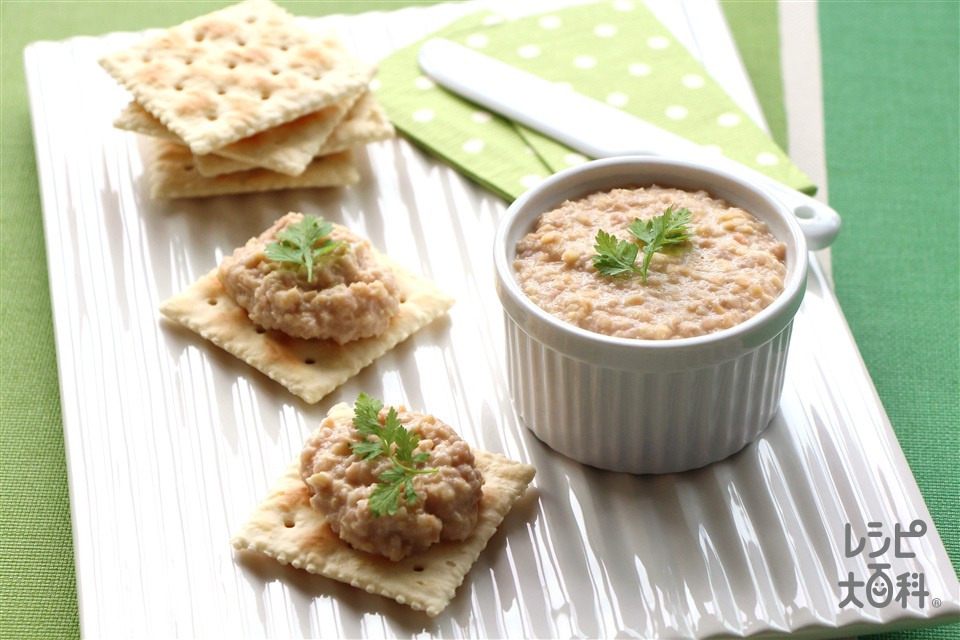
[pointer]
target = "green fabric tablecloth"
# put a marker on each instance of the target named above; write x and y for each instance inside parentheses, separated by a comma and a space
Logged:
(892, 108)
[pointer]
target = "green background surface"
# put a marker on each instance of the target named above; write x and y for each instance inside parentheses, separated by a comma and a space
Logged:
(892, 107)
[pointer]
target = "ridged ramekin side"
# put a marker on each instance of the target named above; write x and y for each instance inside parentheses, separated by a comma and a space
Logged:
(642, 422)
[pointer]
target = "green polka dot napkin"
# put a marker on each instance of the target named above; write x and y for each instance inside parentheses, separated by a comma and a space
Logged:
(615, 52)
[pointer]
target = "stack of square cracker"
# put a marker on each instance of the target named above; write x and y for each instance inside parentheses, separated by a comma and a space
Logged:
(243, 100)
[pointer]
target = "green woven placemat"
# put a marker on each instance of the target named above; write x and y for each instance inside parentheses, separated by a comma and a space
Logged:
(892, 109)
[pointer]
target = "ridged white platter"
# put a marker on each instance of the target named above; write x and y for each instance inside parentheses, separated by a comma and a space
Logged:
(171, 442)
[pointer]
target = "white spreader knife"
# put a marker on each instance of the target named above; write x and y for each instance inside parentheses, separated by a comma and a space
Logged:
(593, 128)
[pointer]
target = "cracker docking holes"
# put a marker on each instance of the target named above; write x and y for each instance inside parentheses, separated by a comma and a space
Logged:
(244, 100)
(285, 526)
(309, 367)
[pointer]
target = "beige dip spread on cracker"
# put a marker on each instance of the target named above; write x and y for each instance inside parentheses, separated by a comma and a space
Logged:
(316, 516)
(341, 483)
(359, 305)
(730, 270)
(349, 294)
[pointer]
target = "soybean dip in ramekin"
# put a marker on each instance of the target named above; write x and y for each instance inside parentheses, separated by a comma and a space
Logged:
(645, 405)
(727, 269)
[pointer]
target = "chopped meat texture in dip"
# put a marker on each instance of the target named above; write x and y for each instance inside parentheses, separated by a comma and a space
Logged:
(341, 483)
(352, 295)
(730, 270)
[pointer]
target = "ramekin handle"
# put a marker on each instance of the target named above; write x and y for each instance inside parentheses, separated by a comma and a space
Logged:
(819, 222)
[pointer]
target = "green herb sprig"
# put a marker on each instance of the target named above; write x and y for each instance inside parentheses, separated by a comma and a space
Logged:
(390, 439)
(614, 257)
(617, 257)
(303, 243)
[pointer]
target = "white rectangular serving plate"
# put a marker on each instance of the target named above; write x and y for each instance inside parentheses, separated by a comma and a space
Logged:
(171, 442)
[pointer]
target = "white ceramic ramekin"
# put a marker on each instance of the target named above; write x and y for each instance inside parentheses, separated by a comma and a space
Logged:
(648, 406)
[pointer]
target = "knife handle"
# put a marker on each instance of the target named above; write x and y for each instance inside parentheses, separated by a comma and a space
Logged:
(582, 123)
(593, 128)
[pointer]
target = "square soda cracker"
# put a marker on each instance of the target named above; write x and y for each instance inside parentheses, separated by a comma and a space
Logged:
(173, 174)
(365, 122)
(138, 120)
(309, 369)
(286, 527)
(287, 148)
(235, 72)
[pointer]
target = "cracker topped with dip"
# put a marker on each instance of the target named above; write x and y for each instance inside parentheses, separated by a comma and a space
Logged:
(308, 303)
(344, 511)
(244, 99)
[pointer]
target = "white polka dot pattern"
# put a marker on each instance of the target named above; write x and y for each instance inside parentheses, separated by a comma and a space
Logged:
(474, 145)
(658, 42)
(585, 62)
(478, 40)
(423, 115)
(767, 159)
(618, 99)
(677, 112)
(550, 22)
(728, 119)
(528, 51)
(605, 30)
(614, 51)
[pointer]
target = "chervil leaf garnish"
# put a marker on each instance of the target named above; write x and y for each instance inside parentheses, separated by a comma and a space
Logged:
(385, 498)
(394, 441)
(303, 243)
(616, 257)
(656, 233)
